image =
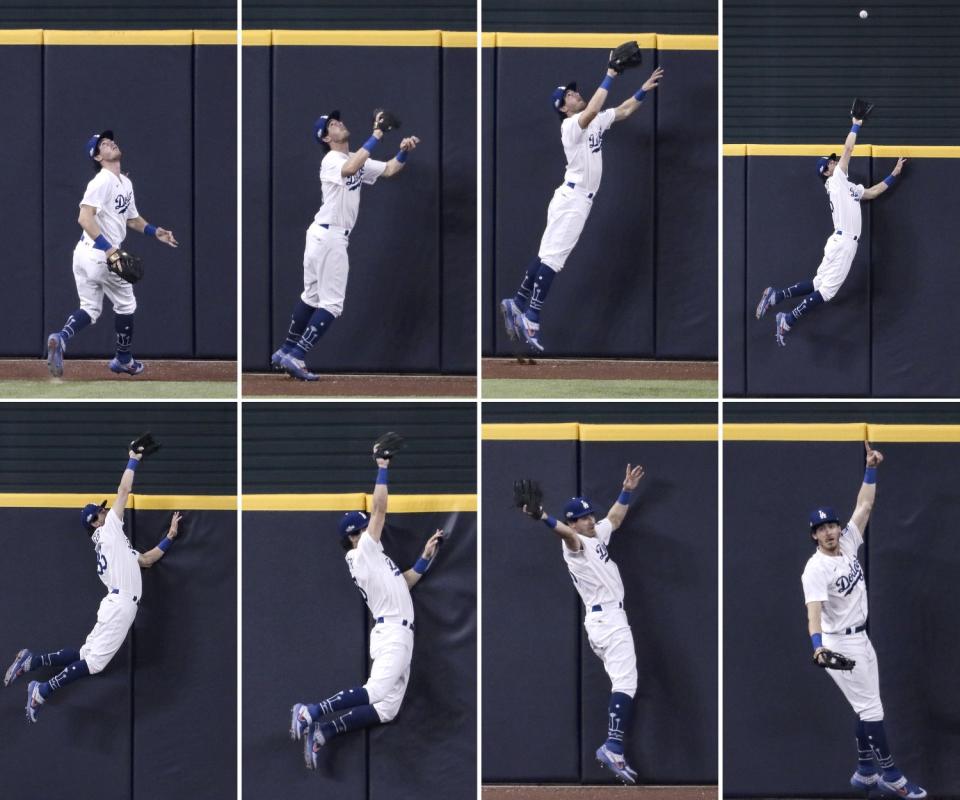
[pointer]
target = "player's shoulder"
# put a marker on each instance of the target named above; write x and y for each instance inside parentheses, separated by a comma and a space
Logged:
(334, 156)
(102, 178)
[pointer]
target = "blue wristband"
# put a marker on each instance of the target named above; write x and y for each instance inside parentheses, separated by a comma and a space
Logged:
(854, 129)
(164, 544)
(101, 243)
(870, 475)
(550, 522)
(150, 230)
(422, 565)
(890, 180)
(817, 640)
(640, 95)
(132, 463)
(382, 476)
(607, 82)
(402, 156)
(370, 144)
(624, 497)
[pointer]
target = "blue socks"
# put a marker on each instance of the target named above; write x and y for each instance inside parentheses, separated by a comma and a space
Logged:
(299, 320)
(59, 659)
(797, 290)
(348, 698)
(522, 297)
(864, 752)
(320, 321)
(810, 303)
(619, 709)
(123, 325)
(359, 717)
(876, 738)
(75, 323)
(77, 669)
(541, 286)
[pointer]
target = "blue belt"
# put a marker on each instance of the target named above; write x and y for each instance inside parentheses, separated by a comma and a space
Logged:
(572, 185)
(840, 233)
(599, 607)
(849, 631)
(403, 622)
(345, 231)
(117, 591)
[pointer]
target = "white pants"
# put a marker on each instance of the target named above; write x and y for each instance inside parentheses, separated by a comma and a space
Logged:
(860, 685)
(838, 255)
(94, 281)
(566, 216)
(612, 640)
(325, 268)
(391, 649)
(114, 618)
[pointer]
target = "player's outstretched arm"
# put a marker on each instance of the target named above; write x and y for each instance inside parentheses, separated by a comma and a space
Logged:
(430, 549)
(878, 189)
(814, 627)
(88, 221)
(570, 539)
(140, 225)
(868, 490)
(154, 554)
(848, 145)
(395, 164)
(352, 165)
(595, 106)
(378, 509)
(619, 509)
(631, 104)
(126, 484)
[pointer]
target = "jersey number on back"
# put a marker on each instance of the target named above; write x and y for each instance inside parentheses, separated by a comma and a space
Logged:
(101, 561)
(363, 594)
(393, 567)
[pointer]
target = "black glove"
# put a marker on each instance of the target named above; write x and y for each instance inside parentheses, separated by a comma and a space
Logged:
(861, 109)
(625, 56)
(125, 266)
(388, 120)
(828, 659)
(388, 445)
(528, 497)
(144, 445)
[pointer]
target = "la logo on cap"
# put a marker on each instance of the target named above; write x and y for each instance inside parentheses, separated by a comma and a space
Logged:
(823, 515)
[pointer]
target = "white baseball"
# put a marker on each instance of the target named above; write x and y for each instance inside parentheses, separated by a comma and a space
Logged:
(864, 14)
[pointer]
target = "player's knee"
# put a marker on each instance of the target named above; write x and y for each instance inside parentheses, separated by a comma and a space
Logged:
(335, 310)
(95, 665)
(827, 293)
(873, 714)
(127, 307)
(387, 711)
(555, 265)
(92, 311)
(626, 685)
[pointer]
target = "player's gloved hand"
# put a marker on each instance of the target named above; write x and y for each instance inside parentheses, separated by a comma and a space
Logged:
(528, 497)
(874, 457)
(633, 477)
(387, 446)
(625, 56)
(385, 121)
(143, 446)
(828, 659)
(860, 110)
(125, 266)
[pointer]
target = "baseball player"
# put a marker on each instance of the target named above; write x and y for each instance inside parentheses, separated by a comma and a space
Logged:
(107, 209)
(325, 263)
(582, 126)
(597, 579)
(839, 251)
(835, 592)
(386, 591)
(118, 566)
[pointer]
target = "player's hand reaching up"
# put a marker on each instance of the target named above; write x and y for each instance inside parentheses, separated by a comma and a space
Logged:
(856, 121)
(434, 542)
(874, 457)
(165, 236)
(633, 477)
(654, 80)
(409, 143)
(900, 163)
(174, 525)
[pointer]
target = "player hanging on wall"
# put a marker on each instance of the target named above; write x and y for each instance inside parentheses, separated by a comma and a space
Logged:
(386, 591)
(841, 248)
(835, 592)
(118, 567)
(325, 263)
(582, 126)
(597, 580)
(107, 209)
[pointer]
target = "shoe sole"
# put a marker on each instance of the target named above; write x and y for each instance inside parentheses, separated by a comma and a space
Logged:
(12, 671)
(508, 325)
(294, 726)
(888, 791)
(763, 306)
(54, 358)
(31, 712)
(625, 778)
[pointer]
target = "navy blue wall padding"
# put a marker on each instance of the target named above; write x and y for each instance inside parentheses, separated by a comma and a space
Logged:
(788, 223)
(458, 264)
(308, 639)
(737, 313)
(490, 313)
(157, 151)
(20, 86)
(531, 621)
(788, 705)
(686, 210)
(607, 284)
(257, 133)
(666, 550)
(215, 201)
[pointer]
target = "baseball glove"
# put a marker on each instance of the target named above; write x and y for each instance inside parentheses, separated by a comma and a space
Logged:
(388, 445)
(125, 266)
(828, 659)
(861, 109)
(388, 121)
(145, 445)
(625, 56)
(528, 497)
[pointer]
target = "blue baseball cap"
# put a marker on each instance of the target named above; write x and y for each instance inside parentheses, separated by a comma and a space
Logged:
(823, 161)
(559, 96)
(577, 507)
(93, 143)
(320, 126)
(823, 515)
(89, 513)
(353, 522)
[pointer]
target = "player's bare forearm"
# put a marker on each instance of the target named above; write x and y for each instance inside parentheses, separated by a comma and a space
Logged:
(568, 534)
(879, 188)
(137, 224)
(868, 489)
(151, 557)
(358, 159)
(632, 476)
(626, 108)
(616, 514)
(813, 617)
(378, 504)
(411, 577)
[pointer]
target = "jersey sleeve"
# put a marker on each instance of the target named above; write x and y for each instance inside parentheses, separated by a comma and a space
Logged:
(606, 118)
(814, 585)
(372, 169)
(132, 212)
(858, 191)
(570, 130)
(604, 529)
(97, 193)
(330, 168)
(367, 549)
(851, 537)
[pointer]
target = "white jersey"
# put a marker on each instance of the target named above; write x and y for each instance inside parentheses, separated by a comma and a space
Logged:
(117, 563)
(379, 580)
(112, 196)
(583, 149)
(341, 196)
(594, 573)
(844, 202)
(838, 583)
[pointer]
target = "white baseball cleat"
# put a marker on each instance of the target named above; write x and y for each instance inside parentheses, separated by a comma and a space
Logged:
(300, 721)
(617, 764)
(902, 788)
(20, 662)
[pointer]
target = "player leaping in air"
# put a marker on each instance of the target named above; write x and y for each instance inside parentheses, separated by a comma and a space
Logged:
(838, 253)
(597, 580)
(835, 592)
(386, 591)
(107, 210)
(582, 126)
(118, 567)
(325, 264)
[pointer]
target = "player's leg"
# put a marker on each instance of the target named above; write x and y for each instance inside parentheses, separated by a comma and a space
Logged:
(512, 308)
(772, 296)
(307, 303)
(120, 294)
(91, 302)
(838, 256)
(27, 661)
(305, 714)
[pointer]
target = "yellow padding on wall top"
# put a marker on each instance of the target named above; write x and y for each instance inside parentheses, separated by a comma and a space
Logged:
(21, 36)
(910, 151)
(359, 38)
(257, 38)
(397, 504)
(458, 39)
(805, 149)
(874, 150)
(913, 433)
(606, 41)
(796, 432)
(488, 39)
(734, 149)
(146, 502)
(118, 37)
(670, 41)
(648, 433)
(215, 37)
(531, 431)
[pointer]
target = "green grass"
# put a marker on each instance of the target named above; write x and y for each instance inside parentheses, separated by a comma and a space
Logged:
(113, 390)
(499, 388)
